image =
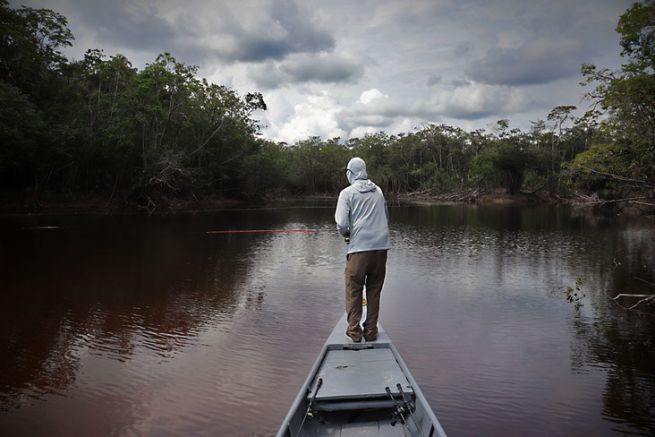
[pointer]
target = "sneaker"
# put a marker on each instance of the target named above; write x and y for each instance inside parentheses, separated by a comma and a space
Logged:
(354, 340)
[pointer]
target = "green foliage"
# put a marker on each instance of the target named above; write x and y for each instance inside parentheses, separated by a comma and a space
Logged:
(442, 181)
(626, 144)
(30, 40)
(20, 124)
(504, 162)
(483, 171)
(638, 35)
(604, 157)
(375, 150)
(100, 126)
(264, 171)
(317, 166)
(31, 68)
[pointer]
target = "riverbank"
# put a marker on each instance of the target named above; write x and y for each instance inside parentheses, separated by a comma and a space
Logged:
(474, 196)
(98, 205)
(632, 204)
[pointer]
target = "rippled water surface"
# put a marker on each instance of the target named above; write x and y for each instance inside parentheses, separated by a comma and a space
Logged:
(148, 326)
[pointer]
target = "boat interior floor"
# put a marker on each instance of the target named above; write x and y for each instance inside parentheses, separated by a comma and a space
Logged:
(361, 423)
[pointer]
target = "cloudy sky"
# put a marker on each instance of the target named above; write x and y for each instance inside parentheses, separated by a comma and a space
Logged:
(345, 68)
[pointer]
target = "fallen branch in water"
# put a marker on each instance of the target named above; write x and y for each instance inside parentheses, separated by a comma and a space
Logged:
(419, 193)
(645, 298)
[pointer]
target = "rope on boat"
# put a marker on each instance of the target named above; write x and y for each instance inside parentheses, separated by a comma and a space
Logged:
(309, 406)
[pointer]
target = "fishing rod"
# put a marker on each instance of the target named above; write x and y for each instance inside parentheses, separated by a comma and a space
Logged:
(310, 405)
(409, 406)
(398, 410)
(346, 238)
(261, 231)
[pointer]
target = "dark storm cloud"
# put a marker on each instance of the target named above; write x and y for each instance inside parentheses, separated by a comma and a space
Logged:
(114, 23)
(326, 70)
(316, 69)
(303, 34)
(297, 34)
(204, 32)
(524, 67)
(253, 49)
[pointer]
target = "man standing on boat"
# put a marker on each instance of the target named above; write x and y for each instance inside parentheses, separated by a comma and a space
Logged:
(362, 219)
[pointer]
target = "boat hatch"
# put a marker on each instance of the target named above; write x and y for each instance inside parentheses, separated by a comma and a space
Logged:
(360, 374)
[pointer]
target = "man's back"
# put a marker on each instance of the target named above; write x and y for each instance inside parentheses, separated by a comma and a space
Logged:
(361, 209)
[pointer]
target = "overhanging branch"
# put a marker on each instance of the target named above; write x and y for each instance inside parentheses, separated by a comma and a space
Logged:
(619, 178)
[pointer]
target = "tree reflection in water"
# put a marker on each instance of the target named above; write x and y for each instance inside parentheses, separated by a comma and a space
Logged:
(107, 291)
(618, 340)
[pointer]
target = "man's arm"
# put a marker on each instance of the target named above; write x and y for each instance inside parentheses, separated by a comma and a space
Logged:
(342, 215)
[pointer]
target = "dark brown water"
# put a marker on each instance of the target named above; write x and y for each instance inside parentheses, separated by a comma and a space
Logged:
(147, 326)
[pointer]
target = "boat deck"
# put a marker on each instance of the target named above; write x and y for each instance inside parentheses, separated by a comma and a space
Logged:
(365, 374)
(358, 370)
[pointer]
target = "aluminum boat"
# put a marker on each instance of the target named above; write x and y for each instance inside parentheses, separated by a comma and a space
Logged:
(362, 389)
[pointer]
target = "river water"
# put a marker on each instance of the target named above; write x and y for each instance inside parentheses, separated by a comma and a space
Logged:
(134, 325)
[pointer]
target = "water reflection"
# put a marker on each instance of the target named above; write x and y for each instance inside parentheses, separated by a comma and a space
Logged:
(495, 265)
(618, 340)
(136, 325)
(107, 291)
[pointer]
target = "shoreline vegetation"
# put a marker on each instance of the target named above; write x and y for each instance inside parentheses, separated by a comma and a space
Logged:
(98, 135)
(634, 205)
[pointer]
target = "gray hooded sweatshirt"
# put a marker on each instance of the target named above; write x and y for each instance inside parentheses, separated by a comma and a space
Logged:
(362, 211)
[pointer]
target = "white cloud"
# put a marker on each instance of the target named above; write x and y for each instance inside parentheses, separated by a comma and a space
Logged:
(316, 116)
(371, 95)
(362, 131)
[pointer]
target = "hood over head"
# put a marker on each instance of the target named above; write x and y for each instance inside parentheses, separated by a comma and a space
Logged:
(357, 176)
(356, 169)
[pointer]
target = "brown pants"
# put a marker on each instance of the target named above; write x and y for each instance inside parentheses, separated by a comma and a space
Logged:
(364, 269)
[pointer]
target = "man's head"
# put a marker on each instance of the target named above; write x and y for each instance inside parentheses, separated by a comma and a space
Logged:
(356, 169)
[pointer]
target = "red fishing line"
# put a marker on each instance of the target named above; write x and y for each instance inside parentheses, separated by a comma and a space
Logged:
(248, 231)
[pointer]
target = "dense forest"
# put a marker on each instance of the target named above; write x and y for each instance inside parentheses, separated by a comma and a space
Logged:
(100, 128)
